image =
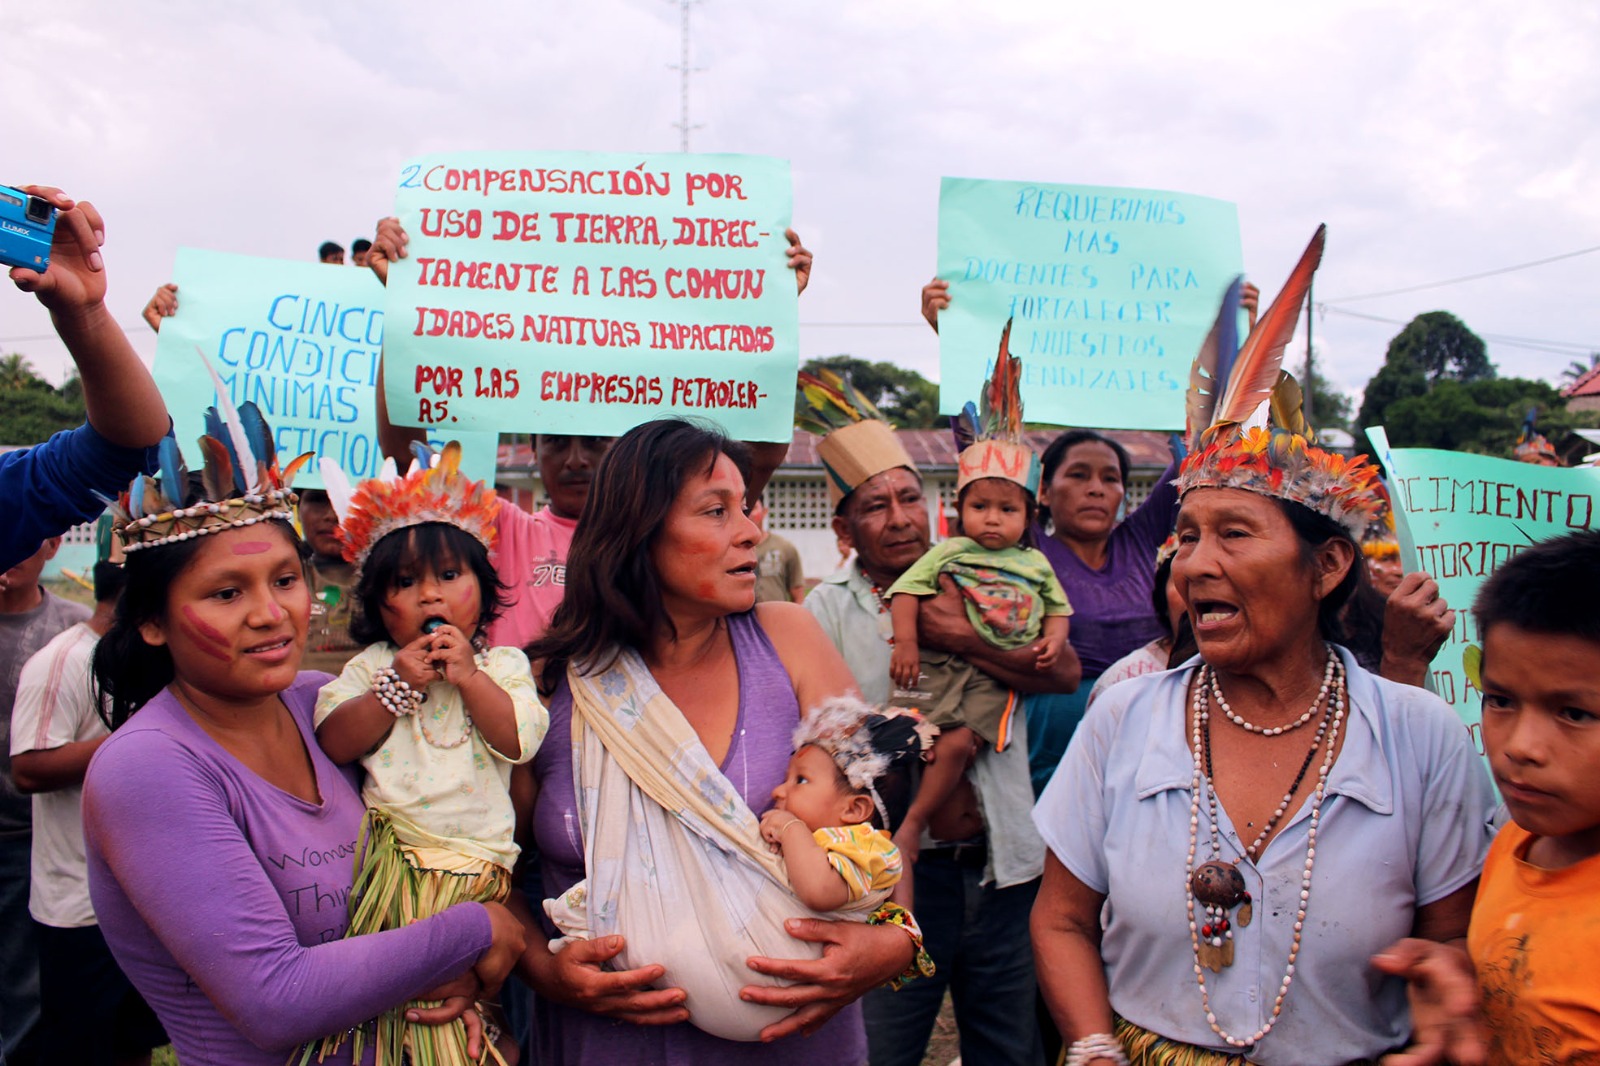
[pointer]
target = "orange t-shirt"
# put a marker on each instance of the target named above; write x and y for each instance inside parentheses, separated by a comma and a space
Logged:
(1535, 940)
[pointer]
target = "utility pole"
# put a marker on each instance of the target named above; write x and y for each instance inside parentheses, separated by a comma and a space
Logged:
(683, 125)
(1306, 389)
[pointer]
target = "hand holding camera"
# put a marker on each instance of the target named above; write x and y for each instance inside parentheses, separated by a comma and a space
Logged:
(70, 278)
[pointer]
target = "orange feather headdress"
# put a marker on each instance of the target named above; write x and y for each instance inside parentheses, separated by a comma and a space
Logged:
(434, 490)
(1279, 459)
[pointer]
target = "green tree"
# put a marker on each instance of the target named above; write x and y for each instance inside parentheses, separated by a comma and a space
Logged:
(30, 410)
(1483, 416)
(1433, 348)
(17, 373)
(906, 398)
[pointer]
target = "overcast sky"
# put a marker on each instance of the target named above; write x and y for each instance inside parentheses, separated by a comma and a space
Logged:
(1435, 139)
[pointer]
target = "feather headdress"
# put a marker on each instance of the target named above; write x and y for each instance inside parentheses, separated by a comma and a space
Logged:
(240, 481)
(1381, 541)
(433, 490)
(1227, 388)
(1532, 446)
(857, 443)
(865, 741)
(990, 434)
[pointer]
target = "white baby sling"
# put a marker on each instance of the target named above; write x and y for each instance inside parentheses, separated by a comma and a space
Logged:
(675, 859)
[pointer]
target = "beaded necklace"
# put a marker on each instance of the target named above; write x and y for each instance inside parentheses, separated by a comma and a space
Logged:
(438, 716)
(1218, 886)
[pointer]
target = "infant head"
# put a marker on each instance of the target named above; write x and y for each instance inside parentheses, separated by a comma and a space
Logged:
(852, 765)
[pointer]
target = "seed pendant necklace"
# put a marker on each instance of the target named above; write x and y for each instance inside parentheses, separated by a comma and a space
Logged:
(1217, 886)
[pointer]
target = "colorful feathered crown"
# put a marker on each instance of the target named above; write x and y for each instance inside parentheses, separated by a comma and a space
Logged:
(433, 490)
(1533, 446)
(1381, 541)
(865, 741)
(241, 481)
(989, 435)
(857, 442)
(1230, 384)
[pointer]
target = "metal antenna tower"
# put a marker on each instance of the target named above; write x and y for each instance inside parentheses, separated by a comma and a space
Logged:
(683, 125)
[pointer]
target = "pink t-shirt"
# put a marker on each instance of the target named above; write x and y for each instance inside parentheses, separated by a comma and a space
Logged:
(531, 557)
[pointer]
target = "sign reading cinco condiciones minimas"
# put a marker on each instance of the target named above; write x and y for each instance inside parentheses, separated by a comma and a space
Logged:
(299, 340)
(1110, 292)
(587, 293)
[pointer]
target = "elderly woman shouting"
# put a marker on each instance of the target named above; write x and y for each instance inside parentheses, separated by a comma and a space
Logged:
(1255, 825)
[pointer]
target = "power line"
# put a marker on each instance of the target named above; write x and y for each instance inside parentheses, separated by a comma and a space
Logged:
(1465, 277)
(864, 325)
(56, 336)
(1537, 344)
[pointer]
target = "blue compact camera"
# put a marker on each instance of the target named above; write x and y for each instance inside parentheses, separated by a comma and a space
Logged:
(27, 225)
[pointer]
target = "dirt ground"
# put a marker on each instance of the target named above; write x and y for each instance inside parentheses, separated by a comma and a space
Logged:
(944, 1046)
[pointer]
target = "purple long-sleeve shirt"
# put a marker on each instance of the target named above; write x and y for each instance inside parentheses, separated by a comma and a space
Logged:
(223, 897)
(1111, 610)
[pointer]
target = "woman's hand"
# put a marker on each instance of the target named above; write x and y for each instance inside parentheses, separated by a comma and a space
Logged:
(451, 654)
(1443, 989)
(456, 1000)
(508, 938)
(572, 976)
(858, 957)
(164, 304)
(75, 281)
(412, 664)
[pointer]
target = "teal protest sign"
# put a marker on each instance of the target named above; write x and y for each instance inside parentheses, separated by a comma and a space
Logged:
(1111, 292)
(1460, 517)
(301, 340)
(585, 293)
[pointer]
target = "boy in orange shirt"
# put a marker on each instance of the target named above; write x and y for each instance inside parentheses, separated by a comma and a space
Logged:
(1535, 933)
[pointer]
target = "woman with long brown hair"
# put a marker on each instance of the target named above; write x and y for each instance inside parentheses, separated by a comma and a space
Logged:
(660, 615)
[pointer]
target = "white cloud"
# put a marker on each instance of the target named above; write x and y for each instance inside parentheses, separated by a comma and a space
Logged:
(1435, 139)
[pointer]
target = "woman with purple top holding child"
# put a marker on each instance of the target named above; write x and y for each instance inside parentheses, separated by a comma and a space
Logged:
(1107, 568)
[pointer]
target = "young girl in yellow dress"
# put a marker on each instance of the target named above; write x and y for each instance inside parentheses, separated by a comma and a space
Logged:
(435, 718)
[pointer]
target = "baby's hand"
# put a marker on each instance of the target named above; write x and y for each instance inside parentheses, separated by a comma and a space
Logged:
(411, 663)
(773, 823)
(905, 665)
(1047, 656)
(452, 654)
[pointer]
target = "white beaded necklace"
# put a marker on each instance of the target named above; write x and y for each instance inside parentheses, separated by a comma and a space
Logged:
(1250, 727)
(1199, 781)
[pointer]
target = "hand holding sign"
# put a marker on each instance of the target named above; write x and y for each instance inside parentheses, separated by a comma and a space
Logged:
(576, 293)
(1110, 291)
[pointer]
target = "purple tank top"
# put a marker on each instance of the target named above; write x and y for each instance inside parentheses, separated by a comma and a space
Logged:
(757, 759)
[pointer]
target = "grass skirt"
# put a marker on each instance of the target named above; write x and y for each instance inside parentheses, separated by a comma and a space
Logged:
(395, 885)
